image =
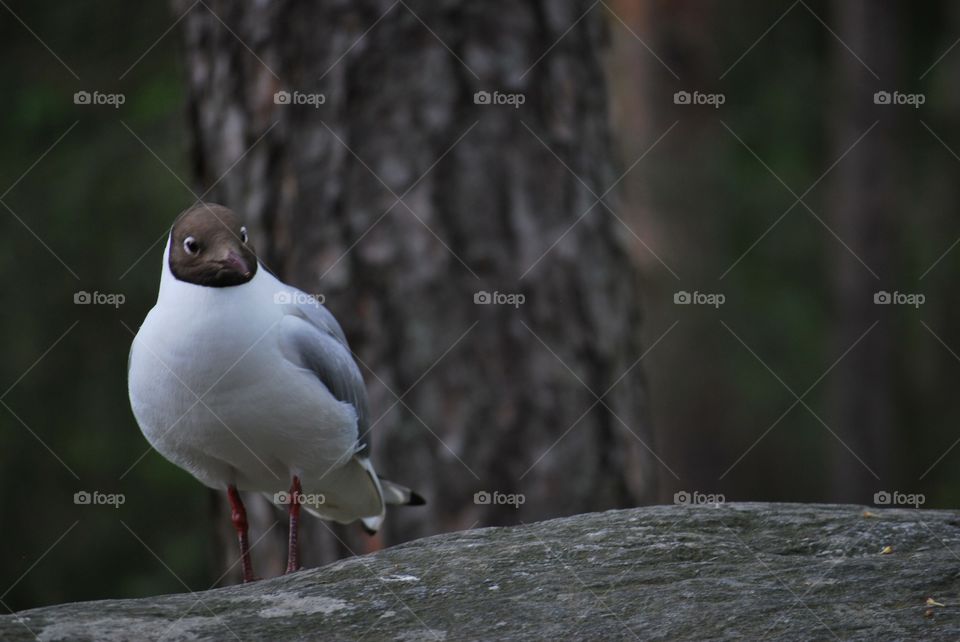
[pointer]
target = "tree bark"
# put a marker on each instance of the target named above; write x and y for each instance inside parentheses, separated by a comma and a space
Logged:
(494, 397)
(864, 202)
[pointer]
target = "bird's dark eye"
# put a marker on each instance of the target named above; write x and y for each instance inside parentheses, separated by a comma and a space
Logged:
(243, 234)
(190, 245)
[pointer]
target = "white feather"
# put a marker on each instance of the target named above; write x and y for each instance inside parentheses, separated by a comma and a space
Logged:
(213, 392)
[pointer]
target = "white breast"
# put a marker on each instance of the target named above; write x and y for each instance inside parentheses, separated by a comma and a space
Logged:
(212, 392)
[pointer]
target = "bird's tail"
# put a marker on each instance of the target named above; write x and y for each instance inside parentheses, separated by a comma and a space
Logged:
(356, 492)
(390, 493)
(398, 495)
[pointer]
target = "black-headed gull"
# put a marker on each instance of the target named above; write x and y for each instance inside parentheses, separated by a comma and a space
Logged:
(249, 384)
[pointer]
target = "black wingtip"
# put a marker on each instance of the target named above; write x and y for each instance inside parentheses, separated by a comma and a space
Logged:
(369, 531)
(416, 499)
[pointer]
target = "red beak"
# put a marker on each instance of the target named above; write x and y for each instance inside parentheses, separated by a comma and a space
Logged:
(237, 263)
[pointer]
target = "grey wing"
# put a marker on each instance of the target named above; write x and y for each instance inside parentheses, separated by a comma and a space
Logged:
(318, 344)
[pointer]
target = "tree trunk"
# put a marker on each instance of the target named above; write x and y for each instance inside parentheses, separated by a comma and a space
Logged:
(862, 393)
(488, 392)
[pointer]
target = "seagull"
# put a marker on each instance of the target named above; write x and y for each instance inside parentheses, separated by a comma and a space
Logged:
(249, 384)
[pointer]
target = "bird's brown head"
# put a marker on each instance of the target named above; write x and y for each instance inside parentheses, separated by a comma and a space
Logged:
(209, 246)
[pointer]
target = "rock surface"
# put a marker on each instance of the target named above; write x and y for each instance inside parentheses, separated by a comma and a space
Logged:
(736, 571)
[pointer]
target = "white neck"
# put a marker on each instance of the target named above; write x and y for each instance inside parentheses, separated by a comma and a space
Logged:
(173, 290)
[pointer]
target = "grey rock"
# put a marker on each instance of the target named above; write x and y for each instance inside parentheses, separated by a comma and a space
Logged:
(735, 571)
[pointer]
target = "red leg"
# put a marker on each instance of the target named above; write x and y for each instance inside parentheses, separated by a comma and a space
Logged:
(239, 518)
(296, 495)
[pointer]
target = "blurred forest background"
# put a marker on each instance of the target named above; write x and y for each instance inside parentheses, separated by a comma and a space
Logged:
(797, 199)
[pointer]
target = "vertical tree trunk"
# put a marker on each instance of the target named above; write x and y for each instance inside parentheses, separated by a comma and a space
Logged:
(494, 397)
(864, 203)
